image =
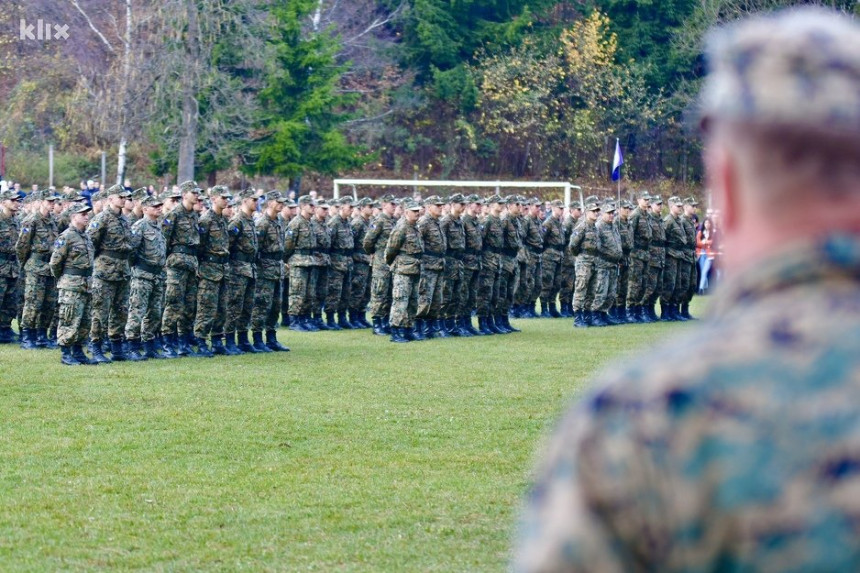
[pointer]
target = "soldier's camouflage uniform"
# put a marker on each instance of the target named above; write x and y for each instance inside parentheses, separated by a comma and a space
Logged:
(300, 244)
(340, 269)
(609, 256)
(71, 264)
(322, 263)
(182, 237)
(530, 271)
(567, 284)
(454, 293)
(359, 290)
(403, 252)
(583, 246)
(622, 225)
(432, 268)
(270, 272)
(656, 260)
(509, 267)
(676, 241)
(488, 278)
(214, 275)
(553, 254)
(148, 257)
(243, 272)
(472, 259)
(374, 244)
(9, 269)
(33, 248)
(640, 254)
(688, 272)
(110, 234)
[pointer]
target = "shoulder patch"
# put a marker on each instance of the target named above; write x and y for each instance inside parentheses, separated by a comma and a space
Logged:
(59, 243)
(167, 221)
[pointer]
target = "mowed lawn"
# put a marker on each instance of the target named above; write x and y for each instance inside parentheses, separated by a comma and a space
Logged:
(349, 453)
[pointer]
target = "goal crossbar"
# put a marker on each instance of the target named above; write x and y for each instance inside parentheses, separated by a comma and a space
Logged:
(449, 183)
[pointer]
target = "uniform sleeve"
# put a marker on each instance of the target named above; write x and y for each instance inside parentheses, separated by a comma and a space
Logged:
(95, 231)
(58, 257)
(25, 240)
(370, 237)
(395, 243)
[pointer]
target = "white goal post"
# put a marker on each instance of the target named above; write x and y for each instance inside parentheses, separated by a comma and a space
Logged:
(497, 185)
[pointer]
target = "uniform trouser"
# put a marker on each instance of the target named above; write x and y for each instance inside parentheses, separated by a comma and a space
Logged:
(525, 280)
(605, 286)
(320, 287)
(19, 297)
(454, 293)
(180, 301)
(532, 281)
(109, 302)
(381, 291)
(8, 300)
(692, 270)
(74, 316)
(568, 283)
(682, 287)
(211, 308)
(668, 289)
(404, 304)
(240, 302)
(40, 301)
(488, 288)
(430, 294)
(339, 279)
(285, 292)
(636, 280)
(508, 281)
(621, 287)
(470, 282)
(301, 290)
(144, 309)
(359, 291)
(550, 279)
(267, 305)
(586, 279)
(653, 283)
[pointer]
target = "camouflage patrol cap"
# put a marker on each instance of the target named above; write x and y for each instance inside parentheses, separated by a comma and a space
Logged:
(118, 190)
(574, 205)
(48, 195)
(514, 200)
(387, 198)
(151, 202)
(82, 208)
(644, 194)
(273, 196)
(592, 204)
(410, 205)
(189, 187)
(171, 194)
(364, 202)
(245, 194)
(305, 200)
(592, 199)
(798, 68)
(457, 198)
(140, 194)
(625, 204)
(558, 203)
(9, 195)
(434, 200)
(473, 198)
(656, 200)
(674, 200)
(535, 201)
(221, 191)
(322, 203)
(607, 207)
(691, 201)
(496, 199)
(346, 200)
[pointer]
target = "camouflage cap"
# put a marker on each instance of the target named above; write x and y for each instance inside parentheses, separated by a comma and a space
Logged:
(644, 194)
(170, 194)
(410, 205)
(305, 200)
(322, 203)
(592, 199)
(189, 187)
(140, 194)
(798, 67)
(221, 191)
(9, 195)
(387, 198)
(118, 190)
(625, 204)
(574, 205)
(656, 200)
(513, 200)
(245, 194)
(346, 200)
(474, 198)
(691, 201)
(496, 199)
(558, 203)
(151, 202)
(457, 198)
(608, 207)
(273, 196)
(592, 205)
(48, 195)
(82, 208)
(674, 200)
(535, 201)
(434, 200)
(364, 202)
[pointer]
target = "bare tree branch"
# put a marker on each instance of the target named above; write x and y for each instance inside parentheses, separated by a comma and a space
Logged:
(92, 26)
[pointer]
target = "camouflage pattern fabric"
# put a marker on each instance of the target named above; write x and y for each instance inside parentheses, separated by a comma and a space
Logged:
(404, 303)
(491, 266)
(182, 237)
(301, 289)
(567, 282)
(73, 250)
(271, 238)
(9, 269)
(472, 260)
(340, 270)
(144, 309)
(626, 233)
(375, 240)
(432, 267)
(241, 281)
(656, 260)
(676, 241)
(583, 245)
(403, 252)
(267, 305)
(727, 450)
(74, 314)
(110, 309)
(609, 255)
(689, 273)
(213, 271)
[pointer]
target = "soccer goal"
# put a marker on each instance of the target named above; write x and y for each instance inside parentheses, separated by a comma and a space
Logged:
(496, 185)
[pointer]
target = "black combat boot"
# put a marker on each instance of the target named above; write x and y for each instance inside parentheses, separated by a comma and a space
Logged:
(135, 353)
(579, 319)
(203, 349)
(342, 321)
(418, 330)
(599, 318)
(398, 334)
(491, 324)
(685, 311)
(286, 320)
(78, 353)
(509, 326)
(331, 320)
(218, 346)
(41, 339)
(439, 329)
(67, 358)
(28, 339)
(353, 320)
(460, 327)
(7, 335)
(566, 310)
(258, 344)
(386, 324)
(96, 350)
(169, 343)
(243, 344)
(666, 312)
(272, 342)
(483, 327)
(230, 344)
(377, 326)
(151, 350)
(544, 308)
(451, 326)
(297, 323)
(553, 311)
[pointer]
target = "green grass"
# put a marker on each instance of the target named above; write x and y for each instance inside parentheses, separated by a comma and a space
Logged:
(349, 453)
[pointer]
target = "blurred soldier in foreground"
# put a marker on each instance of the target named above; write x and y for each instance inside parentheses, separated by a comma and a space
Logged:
(735, 448)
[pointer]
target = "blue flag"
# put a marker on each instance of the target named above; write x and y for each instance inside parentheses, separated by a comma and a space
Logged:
(617, 161)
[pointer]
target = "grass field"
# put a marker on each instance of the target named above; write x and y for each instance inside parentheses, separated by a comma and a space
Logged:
(349, 453)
